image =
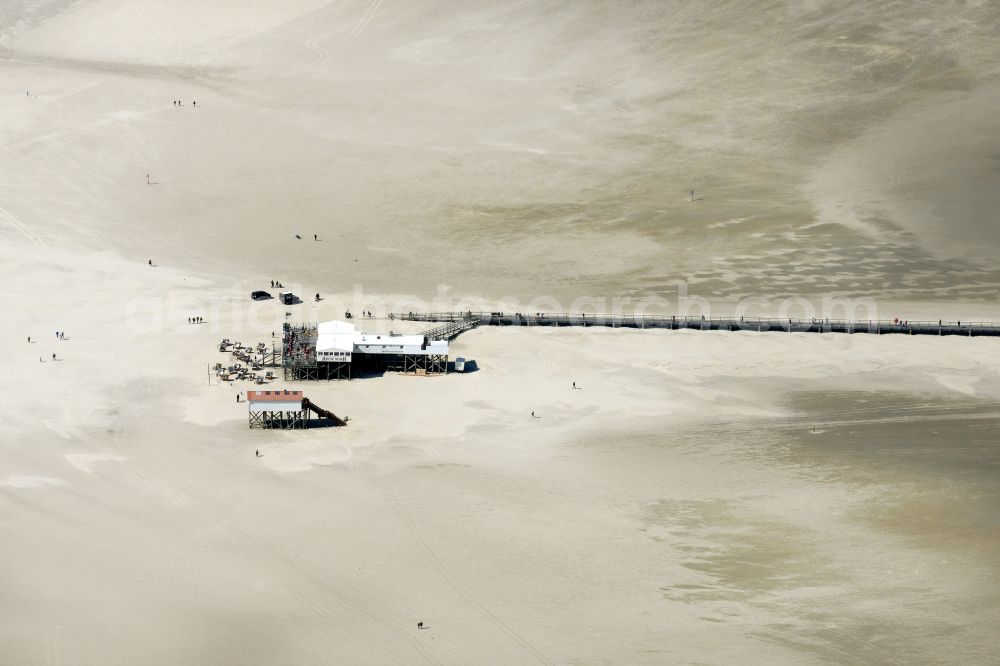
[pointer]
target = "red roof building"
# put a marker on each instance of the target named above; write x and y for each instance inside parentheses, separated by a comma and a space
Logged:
(274, 396)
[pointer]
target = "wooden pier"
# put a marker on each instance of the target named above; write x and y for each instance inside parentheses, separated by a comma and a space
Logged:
(454, 323)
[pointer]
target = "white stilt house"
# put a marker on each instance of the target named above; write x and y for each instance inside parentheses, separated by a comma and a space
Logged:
(337, 349)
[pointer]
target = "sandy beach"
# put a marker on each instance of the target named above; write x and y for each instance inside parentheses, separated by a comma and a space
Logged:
(699, 498)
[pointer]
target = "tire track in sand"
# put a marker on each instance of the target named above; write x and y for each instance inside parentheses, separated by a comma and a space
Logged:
(445, 574)
(355, 32)
(360, 606)
(21, 228)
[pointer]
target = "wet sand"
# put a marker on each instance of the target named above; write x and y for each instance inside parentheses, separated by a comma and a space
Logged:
(515, 171)
(702, 498)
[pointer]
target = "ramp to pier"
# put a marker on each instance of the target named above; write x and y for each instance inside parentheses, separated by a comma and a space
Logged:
(455, 325)
(308, 405)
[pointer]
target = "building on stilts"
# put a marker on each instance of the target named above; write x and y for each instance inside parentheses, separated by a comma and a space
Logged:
(286, 410)
(338, 350)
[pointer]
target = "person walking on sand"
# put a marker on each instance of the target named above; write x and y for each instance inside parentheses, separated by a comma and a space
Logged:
(533, 414)
(257, 453)
(420, 625)
(150, 262)
(315, 237)
(193, 103)
(53, 356)
(692, 195)
(574, 386)
(29, 339)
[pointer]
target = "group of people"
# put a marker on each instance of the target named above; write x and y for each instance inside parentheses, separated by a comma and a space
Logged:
(178, 102)
(367, 314)
(276, 284)
(60, 335)
(195, 320)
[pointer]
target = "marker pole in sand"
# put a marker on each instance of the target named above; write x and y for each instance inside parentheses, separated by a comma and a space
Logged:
(147, 179)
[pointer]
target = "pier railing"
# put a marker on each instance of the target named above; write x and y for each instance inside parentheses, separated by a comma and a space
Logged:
(453, 327)
(455, 323)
